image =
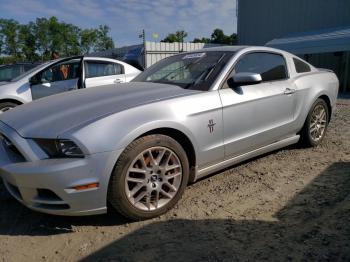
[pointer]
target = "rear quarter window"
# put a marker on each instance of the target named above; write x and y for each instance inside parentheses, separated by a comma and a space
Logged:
(300, 66)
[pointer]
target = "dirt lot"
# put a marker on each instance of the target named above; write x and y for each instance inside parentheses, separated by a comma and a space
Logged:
(293, 204)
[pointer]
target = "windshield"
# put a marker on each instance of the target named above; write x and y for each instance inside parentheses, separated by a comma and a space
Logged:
(30, 71)
(189, 70)
(8, 72)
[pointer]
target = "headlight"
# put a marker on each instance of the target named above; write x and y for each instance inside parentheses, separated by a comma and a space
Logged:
(59, 148)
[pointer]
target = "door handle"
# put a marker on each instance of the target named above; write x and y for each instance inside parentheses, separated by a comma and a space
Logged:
(289, 91)
(118, 80)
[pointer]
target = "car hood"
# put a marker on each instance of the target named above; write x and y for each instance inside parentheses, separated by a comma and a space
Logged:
(4, 83)
(51, 116)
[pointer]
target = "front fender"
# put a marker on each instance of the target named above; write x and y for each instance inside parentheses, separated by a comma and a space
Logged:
(148, 127)
(14, 99)
(21, 94)
(117, 131)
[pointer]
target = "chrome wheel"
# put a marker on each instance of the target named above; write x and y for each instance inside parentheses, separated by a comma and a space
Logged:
(4, 109)
(153, 178)
(318, 122)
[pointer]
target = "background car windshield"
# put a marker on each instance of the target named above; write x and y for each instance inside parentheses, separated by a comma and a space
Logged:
(29, 72)
(9, 72)
(190, 70)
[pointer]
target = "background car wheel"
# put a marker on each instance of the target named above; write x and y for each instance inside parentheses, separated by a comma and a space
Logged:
(6, 106)
(316, 124)
(149, 177)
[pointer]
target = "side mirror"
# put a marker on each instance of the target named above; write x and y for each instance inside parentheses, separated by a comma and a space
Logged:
(246, 78)
(34, 80)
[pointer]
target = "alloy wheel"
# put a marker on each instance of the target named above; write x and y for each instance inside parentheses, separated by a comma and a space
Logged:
(153, 178)
(318, 122)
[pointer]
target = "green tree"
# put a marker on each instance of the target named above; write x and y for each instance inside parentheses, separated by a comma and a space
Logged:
(234, 39)
(9, 30)
(53, 35)
(181, 35)
(103, 41)
(2, 36)
(178, 36)
(202, 40)
(56, 31)
(42, 34)
(218, 37)
(170, 38)
(88, 38)
(36, 40)
(70, 36)
(27, 42)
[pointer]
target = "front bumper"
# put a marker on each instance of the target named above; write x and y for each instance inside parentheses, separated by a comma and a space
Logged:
(46, 185)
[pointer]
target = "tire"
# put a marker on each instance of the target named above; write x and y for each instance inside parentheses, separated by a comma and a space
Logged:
(310, 137)
(140, 177)
(5, 106)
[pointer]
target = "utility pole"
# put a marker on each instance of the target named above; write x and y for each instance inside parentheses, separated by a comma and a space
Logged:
(143, 36)
(182, 41)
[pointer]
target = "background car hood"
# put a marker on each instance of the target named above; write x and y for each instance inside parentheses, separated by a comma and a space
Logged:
(51, 116)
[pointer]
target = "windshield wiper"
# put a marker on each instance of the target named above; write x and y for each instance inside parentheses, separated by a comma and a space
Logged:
(206, 74)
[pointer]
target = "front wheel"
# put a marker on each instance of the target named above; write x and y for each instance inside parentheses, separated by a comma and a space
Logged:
(149, 177)
(6, 106)
(316, 124)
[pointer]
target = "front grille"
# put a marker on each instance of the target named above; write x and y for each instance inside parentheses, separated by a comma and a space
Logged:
(14, 153)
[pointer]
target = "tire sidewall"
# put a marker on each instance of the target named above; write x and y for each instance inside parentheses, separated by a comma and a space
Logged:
(117, 187)
(7, 104)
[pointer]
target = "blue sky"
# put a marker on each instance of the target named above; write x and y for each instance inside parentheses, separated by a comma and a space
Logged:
(127, 18)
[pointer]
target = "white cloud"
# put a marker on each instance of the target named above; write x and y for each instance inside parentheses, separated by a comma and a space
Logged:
(197, 17)
(127, 18)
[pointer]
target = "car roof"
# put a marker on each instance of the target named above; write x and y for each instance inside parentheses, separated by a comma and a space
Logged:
(237, 48)
(26, 63)
(233, 48)
(22, 63)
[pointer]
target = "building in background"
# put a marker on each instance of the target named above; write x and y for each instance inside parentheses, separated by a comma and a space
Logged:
(317, 30)
(145, 55)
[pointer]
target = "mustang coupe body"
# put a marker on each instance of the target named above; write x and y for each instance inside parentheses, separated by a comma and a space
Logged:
(138, 145)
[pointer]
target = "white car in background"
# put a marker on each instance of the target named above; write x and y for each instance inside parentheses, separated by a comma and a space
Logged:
(63, 75)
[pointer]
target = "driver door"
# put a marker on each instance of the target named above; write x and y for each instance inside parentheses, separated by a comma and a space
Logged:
(58, 78)
(259, 114)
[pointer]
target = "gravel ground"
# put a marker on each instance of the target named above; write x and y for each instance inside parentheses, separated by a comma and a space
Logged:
(293, 204)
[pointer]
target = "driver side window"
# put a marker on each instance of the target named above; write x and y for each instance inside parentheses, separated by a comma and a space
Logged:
(60, 72)
(270, 66)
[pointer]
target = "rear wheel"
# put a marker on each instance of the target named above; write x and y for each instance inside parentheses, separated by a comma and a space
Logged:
(149, 178)
(6, 106)
(316, 124)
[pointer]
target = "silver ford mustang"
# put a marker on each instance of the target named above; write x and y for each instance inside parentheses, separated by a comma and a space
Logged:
(137, 146)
